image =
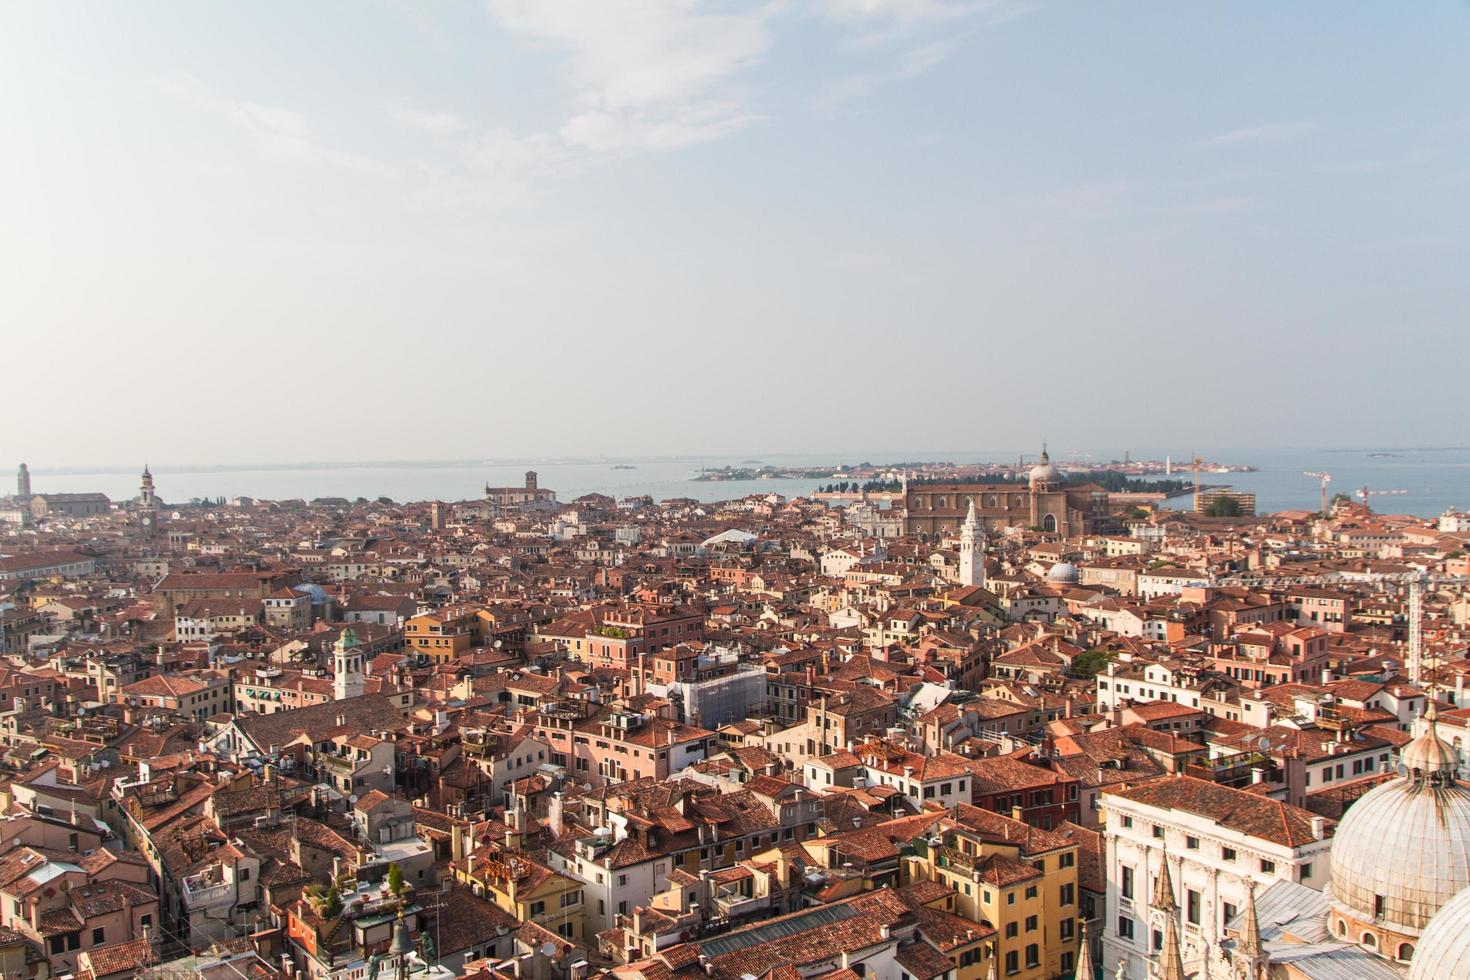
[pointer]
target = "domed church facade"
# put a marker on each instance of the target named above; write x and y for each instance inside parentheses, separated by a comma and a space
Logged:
(1046, 501)
(1399, 900)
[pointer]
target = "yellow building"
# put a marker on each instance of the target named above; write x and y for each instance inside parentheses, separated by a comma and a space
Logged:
(526, 889)
(441, 635)
(1019, 880)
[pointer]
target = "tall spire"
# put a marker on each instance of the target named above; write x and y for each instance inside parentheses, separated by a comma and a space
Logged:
(1084, 969)
(1164, 890)
(972, 557)
(1250, 929)
(1170, 964)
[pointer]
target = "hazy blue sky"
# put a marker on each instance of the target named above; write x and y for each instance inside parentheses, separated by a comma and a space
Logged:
(345, 230)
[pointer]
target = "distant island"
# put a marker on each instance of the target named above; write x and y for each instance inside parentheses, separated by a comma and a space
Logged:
(1119, 476)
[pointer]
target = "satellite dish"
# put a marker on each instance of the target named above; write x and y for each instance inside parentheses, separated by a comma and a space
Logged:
(547, 949)
(352, 799)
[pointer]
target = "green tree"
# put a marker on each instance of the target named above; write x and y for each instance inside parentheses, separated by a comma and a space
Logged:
(331, 907)
(1091, 662)
(395, 880)
(1222, 506)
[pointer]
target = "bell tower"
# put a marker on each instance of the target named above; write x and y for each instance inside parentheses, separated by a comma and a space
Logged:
(146, 496)
(972, 549)
(23, 484)
(347, 666)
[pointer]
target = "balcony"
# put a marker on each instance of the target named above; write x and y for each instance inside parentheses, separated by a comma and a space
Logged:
(735, 905)
(206, 889)
(339, 764)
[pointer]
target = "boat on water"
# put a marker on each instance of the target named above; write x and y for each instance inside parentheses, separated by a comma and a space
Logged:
(623, 466)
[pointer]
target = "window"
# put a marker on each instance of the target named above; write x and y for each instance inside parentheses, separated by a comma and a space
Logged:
(1067, 964)
(1033, 955)
(1125, 927)
(1191, 906)
(1158, 832)
(1066, 860)
(1010, 898)
(1306, 870)
(1127, 884)
(1127, 822)
(1067, 894)
(1013, 964)
(1380, 906)
(538, 908)
(1068, 926)
(1012, 930)
(1156, 939)
(1227, 854)
(146, 920)
(1268, 867)
(622, 880)
(99, 936)
(970, 957)
(1030, 923)
(1191, 843)
(1406, 952)
(1030, 891)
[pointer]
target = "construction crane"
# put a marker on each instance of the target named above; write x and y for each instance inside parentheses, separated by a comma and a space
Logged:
(1326, 478)
(1366, 494)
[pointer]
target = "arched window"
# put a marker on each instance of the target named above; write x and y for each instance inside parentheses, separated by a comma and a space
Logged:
(1370, 940)
(992, 501)
(1406, 952)
(1049, 523)
(1341, 928)
(942, 503)
(1016, 500)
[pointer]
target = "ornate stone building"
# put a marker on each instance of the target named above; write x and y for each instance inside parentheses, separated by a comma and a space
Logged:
(938, 509)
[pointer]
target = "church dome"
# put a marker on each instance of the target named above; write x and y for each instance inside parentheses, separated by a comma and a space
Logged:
(1443, 953)
(1044, 471)
(1403, 850)
(1062, 571)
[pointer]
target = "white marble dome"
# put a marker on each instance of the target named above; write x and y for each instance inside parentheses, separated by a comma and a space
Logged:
(1063, 571)
(1044, 471)
(1443, 952)
(1403, 850)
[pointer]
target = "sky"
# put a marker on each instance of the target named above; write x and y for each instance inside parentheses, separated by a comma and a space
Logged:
(281, 232)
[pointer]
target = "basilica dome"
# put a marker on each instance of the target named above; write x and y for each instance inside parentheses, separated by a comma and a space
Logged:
(1402, 851)
(1044, 471)
(1443, 953)
(1063, 571)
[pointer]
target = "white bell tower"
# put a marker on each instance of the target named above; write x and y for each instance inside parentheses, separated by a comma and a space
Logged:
(347, 666)
(972, 549)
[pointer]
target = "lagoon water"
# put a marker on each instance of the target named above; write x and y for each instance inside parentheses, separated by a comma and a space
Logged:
(1435, 479)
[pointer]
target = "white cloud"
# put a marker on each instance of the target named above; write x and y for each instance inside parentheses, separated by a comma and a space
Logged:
(646, 74)
(1269, 133)
(908, 37)
(277, 133)
(405, 112)
(909, 63)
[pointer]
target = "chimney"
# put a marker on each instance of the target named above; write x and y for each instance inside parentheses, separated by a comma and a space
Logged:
(1319, 828)
(1326, 675)
(1017, 814)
